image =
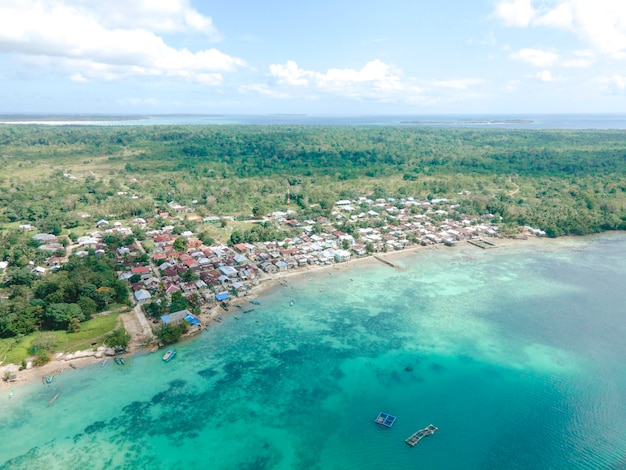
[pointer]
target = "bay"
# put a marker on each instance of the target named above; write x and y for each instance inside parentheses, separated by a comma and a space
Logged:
(515, 353)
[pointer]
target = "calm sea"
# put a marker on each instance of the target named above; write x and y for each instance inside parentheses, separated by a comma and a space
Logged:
(517, 121)
(517, 354)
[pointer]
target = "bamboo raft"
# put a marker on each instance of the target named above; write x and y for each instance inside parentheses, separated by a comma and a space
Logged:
(417, 436)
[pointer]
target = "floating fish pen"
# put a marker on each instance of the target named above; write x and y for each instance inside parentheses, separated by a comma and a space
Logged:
(385, 419)
(480, 243)
(417, 436)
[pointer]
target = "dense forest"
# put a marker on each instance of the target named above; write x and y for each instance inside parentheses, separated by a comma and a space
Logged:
(565, 182)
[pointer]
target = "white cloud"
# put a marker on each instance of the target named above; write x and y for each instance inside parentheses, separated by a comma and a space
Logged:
(375, 78)
(544, 76)
(561, 17)
(614, 85)
(458, 84)
(78, 38)
(263, 89)
(516, 13)
(290, 73)
(536, 57)
(600, 23)
(375, 81)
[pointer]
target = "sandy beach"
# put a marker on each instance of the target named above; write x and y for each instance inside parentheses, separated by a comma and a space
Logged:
(266, 283)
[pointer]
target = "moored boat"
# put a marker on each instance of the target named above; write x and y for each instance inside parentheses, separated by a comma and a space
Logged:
(255, 302)
(169, 355)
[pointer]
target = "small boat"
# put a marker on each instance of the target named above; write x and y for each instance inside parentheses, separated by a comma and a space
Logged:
(219, 319)
(237, 305)
(120, 361)
(224, 306)
(291, 303)
(248, 311)
(255, 302)
(54, 398)
(169, 355)
(104, 363)
(49, 378)
(72, 365)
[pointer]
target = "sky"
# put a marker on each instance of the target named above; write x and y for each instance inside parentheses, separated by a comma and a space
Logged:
(327, 57)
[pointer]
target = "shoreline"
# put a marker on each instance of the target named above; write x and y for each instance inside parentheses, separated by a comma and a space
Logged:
(265, 285)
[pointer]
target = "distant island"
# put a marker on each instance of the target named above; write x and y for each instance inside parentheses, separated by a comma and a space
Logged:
(17, 118)
(473, 121)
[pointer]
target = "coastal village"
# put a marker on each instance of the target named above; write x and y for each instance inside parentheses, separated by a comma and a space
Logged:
(218, 277)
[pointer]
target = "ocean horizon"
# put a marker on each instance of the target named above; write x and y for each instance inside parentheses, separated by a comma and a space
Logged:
(516, 354)
(478, 121)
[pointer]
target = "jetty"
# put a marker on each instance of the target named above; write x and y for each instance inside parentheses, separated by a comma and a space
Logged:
(484, 244)
(417, 436)
(385, 419)
(390, 263)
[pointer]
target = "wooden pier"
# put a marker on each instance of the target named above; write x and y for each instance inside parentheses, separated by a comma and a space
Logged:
(417, 436)
(389, 263)
(484, 244)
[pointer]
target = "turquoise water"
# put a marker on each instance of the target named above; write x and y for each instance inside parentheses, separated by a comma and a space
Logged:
(516, 354)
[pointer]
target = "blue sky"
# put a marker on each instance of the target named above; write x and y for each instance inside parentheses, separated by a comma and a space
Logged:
(325, 57)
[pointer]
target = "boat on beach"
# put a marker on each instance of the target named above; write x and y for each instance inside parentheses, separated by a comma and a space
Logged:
(169, 355)
(255, 302)
(48, 379)
(120, 361)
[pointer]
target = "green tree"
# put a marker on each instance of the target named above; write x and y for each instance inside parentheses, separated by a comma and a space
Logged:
(169, 334)
(180, 244)
(118, 338)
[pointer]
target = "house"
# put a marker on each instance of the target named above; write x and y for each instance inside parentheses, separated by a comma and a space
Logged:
(142, 295)
(175, 318)
(281, 265)
(221, 296)
(45, 238)
(38, 270)
(143, 271)
(240, 259)
(269, 267)
(341, 256)
(102, 223)
(228, 271)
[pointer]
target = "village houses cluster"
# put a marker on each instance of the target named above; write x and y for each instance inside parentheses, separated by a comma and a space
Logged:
(219, 272)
